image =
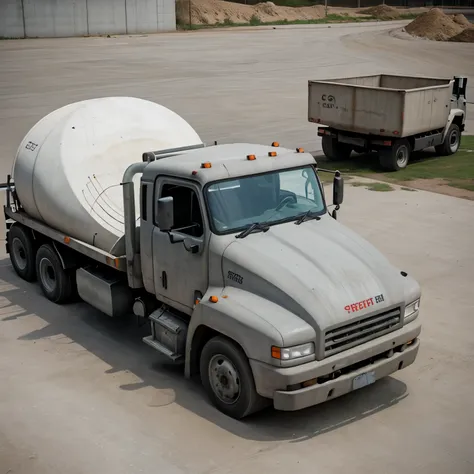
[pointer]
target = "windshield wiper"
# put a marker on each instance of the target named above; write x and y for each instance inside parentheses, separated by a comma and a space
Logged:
(308, 215)
(251, 228)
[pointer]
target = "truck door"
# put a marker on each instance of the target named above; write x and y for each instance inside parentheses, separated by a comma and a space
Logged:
(178, 273)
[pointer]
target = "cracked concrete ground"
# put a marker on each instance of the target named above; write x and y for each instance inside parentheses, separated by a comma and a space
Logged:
(80, 393)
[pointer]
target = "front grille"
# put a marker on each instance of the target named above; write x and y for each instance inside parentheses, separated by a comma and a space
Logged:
(357, 332)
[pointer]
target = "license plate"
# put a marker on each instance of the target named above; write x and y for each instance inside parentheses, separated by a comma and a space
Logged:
(363, 380)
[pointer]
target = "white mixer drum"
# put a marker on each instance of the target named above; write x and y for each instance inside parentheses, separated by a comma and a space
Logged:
(69, 167)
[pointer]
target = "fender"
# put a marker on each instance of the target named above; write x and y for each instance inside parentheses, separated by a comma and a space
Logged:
(452, 115)
(253, 322)
(67, 257)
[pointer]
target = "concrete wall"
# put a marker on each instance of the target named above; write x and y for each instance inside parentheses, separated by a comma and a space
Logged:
(60, 18)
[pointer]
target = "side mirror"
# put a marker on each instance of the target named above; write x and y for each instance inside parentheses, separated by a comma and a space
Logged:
(165, 214)
(338, 189)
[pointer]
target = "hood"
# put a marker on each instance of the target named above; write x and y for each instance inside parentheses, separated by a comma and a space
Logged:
(319, 270)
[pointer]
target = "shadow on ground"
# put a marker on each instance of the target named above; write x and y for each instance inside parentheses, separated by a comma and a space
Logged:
(118, 343)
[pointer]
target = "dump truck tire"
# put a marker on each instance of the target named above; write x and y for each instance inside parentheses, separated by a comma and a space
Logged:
(334, 150)
(451, 143)
(396, 157)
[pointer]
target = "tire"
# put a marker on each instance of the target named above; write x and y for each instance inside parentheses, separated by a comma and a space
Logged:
(22, 252)
(451, 141)
(56, 283)
(238, 397)
(396, 157)
(334, 150)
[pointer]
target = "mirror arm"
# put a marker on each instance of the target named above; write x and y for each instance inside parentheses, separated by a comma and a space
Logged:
(174, 239)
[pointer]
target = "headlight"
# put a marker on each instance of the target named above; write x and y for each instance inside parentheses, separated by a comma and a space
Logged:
(295, 352)
(411, 308)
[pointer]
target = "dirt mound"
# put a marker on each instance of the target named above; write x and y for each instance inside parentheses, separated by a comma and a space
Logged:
(384, 12)
(211, 12)
(460, 19)
(434, 25)
(467, 36)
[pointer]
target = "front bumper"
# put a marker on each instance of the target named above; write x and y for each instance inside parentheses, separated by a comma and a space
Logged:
(380, 357)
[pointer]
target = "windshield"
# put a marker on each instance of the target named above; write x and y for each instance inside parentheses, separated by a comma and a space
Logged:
(269, 198)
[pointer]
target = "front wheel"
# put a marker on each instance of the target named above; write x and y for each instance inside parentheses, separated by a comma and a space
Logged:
(451, 142)
(228, 379)
(396, 157)
(335, 150)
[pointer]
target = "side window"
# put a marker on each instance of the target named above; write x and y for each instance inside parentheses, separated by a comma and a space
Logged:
(187, 213)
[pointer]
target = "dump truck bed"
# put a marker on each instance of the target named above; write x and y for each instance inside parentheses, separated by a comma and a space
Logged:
(385, 105)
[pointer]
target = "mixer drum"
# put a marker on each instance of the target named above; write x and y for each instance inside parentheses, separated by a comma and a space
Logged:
(69, 167)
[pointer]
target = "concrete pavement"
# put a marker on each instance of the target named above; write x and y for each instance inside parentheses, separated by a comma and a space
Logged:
(80, 393)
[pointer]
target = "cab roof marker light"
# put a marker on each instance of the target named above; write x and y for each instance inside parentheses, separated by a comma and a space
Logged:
(207, 164)
(275, 144)
(300, 150)
(272, 153)
(251, 157)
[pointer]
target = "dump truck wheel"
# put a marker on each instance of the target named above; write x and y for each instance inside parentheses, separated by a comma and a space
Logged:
(22, 252)
(56, 283)
(396, 157)
(451, 141)
(228, 380)
(335, 150)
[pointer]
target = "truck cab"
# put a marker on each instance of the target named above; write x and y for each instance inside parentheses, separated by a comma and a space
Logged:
(262, 292)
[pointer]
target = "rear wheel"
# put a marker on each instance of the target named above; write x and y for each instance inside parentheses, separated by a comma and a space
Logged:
(228, 379)
(451, 141)
(396, 157)
(335, 150)
(22, 252)
(56, 283)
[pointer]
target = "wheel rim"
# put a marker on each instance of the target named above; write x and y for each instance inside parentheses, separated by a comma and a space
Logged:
(19, 253)
(224, 379)
(47, 275)
(402, 156)
(454, 140)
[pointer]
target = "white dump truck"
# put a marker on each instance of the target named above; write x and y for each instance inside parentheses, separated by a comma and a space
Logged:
(393, 115)
(228, 251)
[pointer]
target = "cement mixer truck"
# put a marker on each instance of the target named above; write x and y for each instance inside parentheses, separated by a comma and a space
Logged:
(228, 252)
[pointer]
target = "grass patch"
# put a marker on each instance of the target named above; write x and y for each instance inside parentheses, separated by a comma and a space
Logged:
(379, 187)
(331, 18)
(457, 170)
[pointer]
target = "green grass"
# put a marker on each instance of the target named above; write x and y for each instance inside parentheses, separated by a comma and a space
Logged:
(255, 21)
(457, 170)
(380, 187)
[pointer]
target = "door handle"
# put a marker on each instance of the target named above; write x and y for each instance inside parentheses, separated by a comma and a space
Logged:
(164, 280)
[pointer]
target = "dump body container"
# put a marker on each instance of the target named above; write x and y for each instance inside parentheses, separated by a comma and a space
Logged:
(385, 105)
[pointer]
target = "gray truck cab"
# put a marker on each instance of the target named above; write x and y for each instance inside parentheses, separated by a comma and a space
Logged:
(265, 295)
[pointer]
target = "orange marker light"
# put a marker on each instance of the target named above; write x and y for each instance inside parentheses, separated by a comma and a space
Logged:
(206, 165)
(300, 150)
(67, 240)
(276, 352)
(272, 153)
(213, 299)
(251, 157)
(275, 144)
